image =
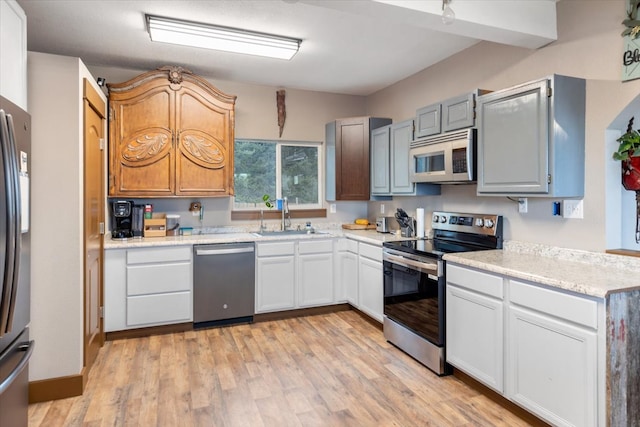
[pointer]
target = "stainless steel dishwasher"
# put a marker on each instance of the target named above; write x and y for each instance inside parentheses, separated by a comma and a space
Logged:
(224, 283)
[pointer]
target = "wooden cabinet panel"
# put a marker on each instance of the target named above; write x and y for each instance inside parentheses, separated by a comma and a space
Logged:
(171, 134)
(204, 154)
(348, 157)
(352, 159)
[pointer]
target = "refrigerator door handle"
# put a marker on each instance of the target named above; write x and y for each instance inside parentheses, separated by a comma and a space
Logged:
(17, 238)
(10, 235)
(28, 349)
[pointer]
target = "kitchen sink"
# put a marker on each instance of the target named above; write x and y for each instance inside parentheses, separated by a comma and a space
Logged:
(287, 232)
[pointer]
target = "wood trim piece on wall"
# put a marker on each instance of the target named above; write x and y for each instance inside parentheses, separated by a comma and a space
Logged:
(57, 388)
(626, 252)
(276, 214)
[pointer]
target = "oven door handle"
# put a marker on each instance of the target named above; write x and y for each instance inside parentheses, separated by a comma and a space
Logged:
(406, 262)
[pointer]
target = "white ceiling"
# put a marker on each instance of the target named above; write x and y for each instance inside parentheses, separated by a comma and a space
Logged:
(348, 46)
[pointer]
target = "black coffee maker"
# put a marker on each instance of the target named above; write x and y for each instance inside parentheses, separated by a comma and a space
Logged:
(122, 225)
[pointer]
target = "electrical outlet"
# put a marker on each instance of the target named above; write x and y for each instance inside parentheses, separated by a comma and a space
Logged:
(573, 209)
(382, 208)
(332, 208)
(523, 205)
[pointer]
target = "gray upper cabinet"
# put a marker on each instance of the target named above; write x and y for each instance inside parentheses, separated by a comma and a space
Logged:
(390, 162)
(531, 139)
(428, 120)
(458, 112)
(453, 114)
(401, 136)
(380, 142)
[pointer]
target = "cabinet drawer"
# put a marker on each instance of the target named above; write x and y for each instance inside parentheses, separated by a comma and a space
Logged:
(347, 245)
(148, 255)
(165, 308)
(315, 247)
(564, 306)
(370, 251)
(275, 249)
(476, 281)
(155, 279)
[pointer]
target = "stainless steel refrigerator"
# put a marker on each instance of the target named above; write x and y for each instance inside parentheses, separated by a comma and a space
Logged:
(15, 346)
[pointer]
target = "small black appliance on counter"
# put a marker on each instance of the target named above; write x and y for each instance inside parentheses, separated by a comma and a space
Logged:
(122, 223)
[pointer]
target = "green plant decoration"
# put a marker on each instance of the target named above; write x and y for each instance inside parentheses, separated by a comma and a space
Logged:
(632, 23)
(628, 153)
(629, 143)
(268, 202)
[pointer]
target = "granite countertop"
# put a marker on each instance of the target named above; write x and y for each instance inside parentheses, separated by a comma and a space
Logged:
(367, 236)
(589, 273)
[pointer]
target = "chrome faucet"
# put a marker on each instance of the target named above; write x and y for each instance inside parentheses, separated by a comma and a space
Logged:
(262, 226)
(286, 223)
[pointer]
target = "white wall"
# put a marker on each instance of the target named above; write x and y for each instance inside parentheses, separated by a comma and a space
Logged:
(55, 100)
(588, 46)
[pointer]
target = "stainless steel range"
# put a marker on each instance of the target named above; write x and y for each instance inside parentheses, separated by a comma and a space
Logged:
(414, 282)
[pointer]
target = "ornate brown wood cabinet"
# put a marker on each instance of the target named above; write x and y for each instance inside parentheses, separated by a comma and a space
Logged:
(171, 133)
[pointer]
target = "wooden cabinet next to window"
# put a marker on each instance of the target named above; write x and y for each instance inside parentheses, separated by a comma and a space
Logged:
(171, 134)
(347, 145)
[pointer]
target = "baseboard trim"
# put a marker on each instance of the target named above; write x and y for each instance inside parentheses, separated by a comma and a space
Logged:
(57, 388)
(147, 332)
(300, 312)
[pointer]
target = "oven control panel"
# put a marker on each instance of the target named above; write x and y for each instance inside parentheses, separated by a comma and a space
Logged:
(467, 222)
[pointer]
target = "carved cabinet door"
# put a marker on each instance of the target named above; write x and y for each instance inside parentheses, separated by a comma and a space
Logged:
(204, 151)
(171, 134)
(142, 157)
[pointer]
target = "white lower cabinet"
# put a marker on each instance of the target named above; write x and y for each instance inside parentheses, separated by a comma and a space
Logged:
(148, 287)
(474, 319)
(275, 276)
(294, 274)
(536, 346)
(370, 280)
(349, 271)
(552, 363)
(315, 273)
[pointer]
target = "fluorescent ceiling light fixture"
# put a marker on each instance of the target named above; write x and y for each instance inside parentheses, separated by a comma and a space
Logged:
(214, 37)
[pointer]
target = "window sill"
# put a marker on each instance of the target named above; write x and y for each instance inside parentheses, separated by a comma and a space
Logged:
(276, 214)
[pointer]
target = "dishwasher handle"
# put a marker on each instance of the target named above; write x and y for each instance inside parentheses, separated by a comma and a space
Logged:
(221, 251)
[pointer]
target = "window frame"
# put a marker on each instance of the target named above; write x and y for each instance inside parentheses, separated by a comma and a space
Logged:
(314, 210)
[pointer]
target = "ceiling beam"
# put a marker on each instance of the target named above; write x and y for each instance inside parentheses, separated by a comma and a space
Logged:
(523, 23)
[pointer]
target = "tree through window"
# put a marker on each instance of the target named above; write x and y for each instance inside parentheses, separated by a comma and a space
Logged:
(279, 169)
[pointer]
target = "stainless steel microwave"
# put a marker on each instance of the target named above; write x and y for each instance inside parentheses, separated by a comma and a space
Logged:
(447, 158)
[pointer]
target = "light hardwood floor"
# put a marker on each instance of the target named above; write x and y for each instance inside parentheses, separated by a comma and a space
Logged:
(326, 370)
